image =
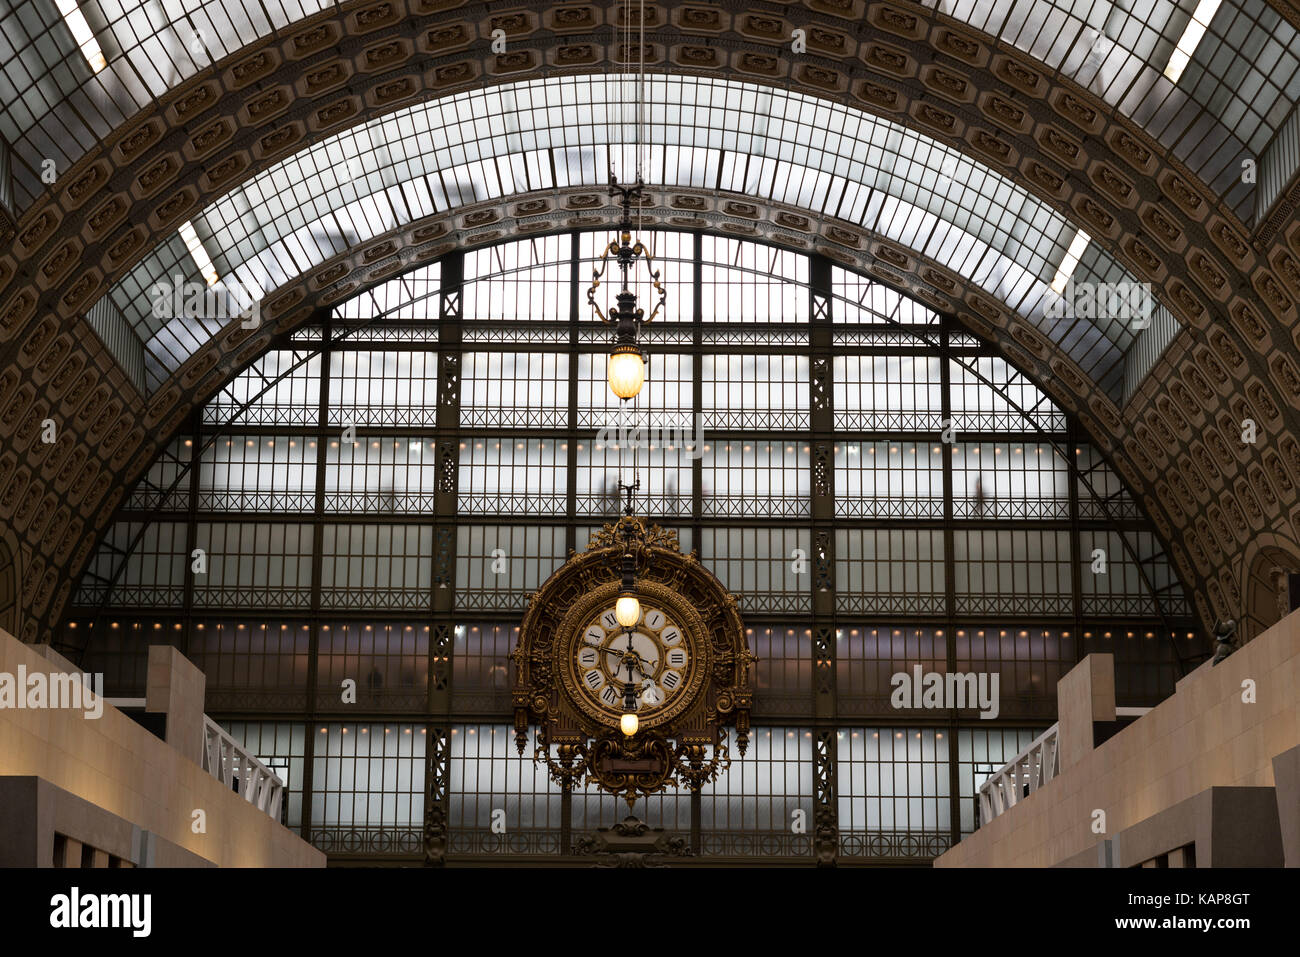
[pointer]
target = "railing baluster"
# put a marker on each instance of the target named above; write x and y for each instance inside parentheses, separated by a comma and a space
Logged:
(239, 770)
(1031, 769)
(1025, 773)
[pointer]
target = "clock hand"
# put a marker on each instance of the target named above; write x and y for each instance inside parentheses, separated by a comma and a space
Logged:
(647, 669)
(623, 656)
(630, 656)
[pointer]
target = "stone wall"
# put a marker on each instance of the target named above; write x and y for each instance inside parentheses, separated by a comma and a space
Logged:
(1203, 736)
(113, 764)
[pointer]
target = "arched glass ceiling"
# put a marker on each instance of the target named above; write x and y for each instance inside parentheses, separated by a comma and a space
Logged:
(1212, 81)
(706, 133)
(71, 72)
(527, 433)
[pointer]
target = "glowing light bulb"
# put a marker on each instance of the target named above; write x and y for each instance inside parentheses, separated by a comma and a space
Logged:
(629, 723)
(627, 610)
(626, 371)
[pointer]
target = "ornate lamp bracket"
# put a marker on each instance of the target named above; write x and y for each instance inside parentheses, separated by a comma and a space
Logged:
(570, 765)
(627, 317)
(700, 764)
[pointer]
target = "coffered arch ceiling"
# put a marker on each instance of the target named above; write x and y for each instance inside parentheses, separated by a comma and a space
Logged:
(842, 168)
(68, 90)
(389, 254)
(1174, 441)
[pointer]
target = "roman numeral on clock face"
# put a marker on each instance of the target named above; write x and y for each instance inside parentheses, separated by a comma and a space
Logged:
(671, 679)
(677, 657)
(594, 636)
(655, 619)
(594, 679)
(609, 620)
(671, 636)
(609, 696)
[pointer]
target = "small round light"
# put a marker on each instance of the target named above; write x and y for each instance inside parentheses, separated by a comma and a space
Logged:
(629, 723)
(627, 610)
(626, 371)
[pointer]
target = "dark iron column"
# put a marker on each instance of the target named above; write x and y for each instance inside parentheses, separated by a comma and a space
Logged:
(317, 562)
(437, 773)
(949, 572)
(822, 452)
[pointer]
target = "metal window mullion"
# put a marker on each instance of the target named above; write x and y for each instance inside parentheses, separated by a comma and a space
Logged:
(571, 478)
(1076, 542)
(697, 395)
(822, 650)
(317, 525)
(192, 528)
(317, 562)
(571, 430)
(447, 432)
(442, 600)
(949, 584)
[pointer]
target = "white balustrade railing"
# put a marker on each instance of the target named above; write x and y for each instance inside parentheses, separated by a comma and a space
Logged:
(227, 761)
(1022, 775)
(1029, 770)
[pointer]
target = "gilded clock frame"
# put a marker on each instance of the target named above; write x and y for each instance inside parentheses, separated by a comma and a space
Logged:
(718, 693)
(569, 637)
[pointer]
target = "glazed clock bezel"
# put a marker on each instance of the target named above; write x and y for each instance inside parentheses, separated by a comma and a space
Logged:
(611, 646)
(573, 626)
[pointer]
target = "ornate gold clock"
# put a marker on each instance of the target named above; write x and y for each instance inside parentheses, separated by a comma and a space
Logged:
(655, 654)
(671, 666)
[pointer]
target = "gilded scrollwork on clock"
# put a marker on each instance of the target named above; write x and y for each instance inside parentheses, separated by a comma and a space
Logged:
(634, 696)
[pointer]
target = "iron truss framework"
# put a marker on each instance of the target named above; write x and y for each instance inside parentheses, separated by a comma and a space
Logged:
(827, 703)
(1222, 509)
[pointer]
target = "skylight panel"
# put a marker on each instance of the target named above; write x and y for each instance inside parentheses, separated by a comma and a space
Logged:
(82, 33)
(199, 254)
(1191, 37)
(1070, 262)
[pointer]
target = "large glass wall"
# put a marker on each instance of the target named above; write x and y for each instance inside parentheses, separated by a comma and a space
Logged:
(371, 503)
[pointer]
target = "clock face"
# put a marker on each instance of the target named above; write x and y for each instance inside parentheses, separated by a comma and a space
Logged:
(655, 656)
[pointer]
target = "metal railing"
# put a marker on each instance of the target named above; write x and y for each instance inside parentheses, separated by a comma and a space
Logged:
(1029, 770)
(885, 845)
(1022, 775)
(407, 841)
(380, 840)
(227, 761)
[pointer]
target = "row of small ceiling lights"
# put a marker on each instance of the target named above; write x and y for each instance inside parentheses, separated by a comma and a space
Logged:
(493, 731)
(853, 632)
(416, 445)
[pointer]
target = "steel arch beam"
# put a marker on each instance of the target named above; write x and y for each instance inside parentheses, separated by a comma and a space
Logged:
(352, 288)
(1172, 434)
